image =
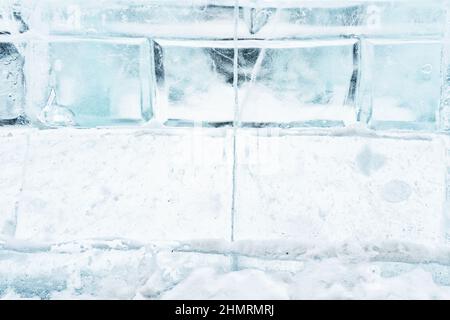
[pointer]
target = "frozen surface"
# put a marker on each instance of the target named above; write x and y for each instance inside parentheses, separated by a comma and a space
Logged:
(403, 79)
(11, 79)
(313, 217)
(172, 189)
(302, 82)
(89, 82)
(260, 18)
(13, 150)
(136, 185)
(287, 186)
(382, 64)
(156, 18)
(351, 199)
(12, 60)
(280, 19)
(327, 189)
(195, 80)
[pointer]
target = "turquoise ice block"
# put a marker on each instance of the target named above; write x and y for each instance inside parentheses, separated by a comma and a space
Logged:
(94, 82)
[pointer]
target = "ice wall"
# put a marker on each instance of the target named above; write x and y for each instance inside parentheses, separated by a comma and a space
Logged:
(313, 123)
(318, 63)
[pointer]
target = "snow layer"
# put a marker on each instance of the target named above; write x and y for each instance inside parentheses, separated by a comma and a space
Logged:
(149, 273)
(326, 280)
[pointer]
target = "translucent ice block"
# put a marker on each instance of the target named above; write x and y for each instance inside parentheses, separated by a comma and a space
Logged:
(11, 79)
(172, 18)
(4, 18)
(310, 83)
(195, 80)
(91, 82)
(403, 79)
(445, 99)
(290, 18)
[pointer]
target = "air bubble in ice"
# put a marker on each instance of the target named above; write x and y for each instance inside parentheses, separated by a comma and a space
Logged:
(396, 191)
(427, 69)
(369, 161)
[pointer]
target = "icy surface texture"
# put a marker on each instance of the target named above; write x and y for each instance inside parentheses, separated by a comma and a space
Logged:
(151, 185)
(124, 213)
(12, 60)
(11, 79)
(195, 80)
(11, 19)
(382, 64)
(300, 199)
(327, 191)
(13, 151)
(135, 185)
(403, 79)
(151, 18)
(445, 102)
(89, 82)
(395, 80)
(258, 18)
(278, 19)
(299, 82)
